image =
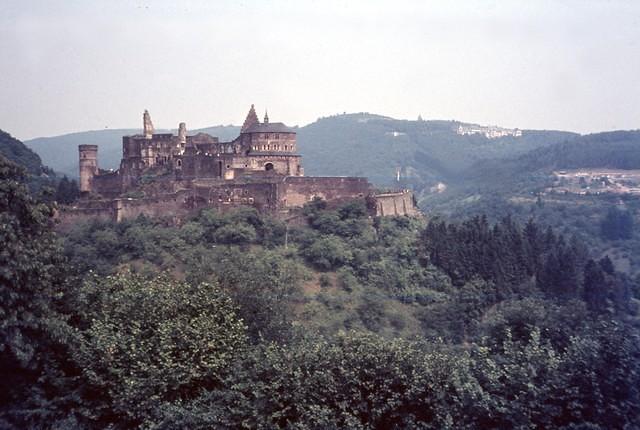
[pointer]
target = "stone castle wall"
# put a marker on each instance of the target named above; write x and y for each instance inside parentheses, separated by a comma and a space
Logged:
(295, 191)
(276, 196)
(399, 203)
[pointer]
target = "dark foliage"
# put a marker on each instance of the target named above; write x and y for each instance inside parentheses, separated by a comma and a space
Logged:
(16, 151)
(617, 224)
(520, 328)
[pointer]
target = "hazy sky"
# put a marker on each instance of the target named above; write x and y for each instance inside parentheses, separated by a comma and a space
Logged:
(76, 65)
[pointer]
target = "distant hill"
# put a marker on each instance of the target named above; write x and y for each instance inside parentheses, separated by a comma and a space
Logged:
(19, 153)
(491, 185)
(426, 151)
(616, 150)
(360, 144)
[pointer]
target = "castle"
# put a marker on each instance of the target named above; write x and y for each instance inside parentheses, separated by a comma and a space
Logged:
(162, 174)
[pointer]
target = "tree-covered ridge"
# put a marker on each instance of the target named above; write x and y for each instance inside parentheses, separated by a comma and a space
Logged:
(616, 150)
(20, 154)
(523, 188)
(39, 177)
(218, 323)
(509, 256)
(427, 151)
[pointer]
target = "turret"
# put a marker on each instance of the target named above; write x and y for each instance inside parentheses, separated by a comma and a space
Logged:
(147, 125)
(182, 132)
(88, 166)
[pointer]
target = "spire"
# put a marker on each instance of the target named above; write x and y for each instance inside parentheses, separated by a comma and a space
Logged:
(252, 119)
(147, 125)
(266, 117)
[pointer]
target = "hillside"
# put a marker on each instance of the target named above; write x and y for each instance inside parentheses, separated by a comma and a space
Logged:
(345, 145)
(616, 150)
(18, 152)
(523, 187)
(426, 151)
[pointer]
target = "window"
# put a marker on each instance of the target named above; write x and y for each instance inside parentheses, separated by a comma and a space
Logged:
(277, 136)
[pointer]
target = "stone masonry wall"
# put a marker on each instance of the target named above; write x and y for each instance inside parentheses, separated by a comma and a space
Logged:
(400, 203)
(295, 191)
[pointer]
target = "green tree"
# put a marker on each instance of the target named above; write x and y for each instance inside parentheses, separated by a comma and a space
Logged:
(595, 287)
(617, 224)
(32, 273)
(145, 342)
(327, 252)
(235, 233)
(67, 191)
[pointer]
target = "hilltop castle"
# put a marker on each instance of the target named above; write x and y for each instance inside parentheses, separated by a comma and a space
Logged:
(171, 175)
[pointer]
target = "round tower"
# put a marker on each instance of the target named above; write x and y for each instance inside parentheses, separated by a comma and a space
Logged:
(88, 166)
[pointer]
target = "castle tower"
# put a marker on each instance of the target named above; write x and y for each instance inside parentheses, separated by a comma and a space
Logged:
(88, 166)
(252, 118)
(182, 132)
(147, 125)
(266, 117)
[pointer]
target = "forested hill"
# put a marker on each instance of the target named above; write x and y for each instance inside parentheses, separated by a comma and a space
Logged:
(18, 152)
(616, 150)
(352, 144)
(426, 151)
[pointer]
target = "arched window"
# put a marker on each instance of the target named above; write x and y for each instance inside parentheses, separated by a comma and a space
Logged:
(268, 167)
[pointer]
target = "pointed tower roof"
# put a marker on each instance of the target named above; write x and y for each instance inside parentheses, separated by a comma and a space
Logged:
(266, 117)
(147, 125)
(252, 119)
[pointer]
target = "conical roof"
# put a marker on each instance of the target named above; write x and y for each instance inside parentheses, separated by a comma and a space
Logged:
(252, 119)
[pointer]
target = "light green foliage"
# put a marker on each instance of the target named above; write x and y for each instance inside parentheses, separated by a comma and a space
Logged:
(327, 252)
(354, 381)
(264, 284)
(153, 341)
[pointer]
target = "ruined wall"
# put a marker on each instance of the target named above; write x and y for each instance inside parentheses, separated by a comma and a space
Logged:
(400, 203)
(261, 195)
(202, 166)
(107, 184)
(169, 206)
(296, 191)
(66, 217)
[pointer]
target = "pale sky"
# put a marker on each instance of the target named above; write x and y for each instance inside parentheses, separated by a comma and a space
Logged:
(70, 66)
